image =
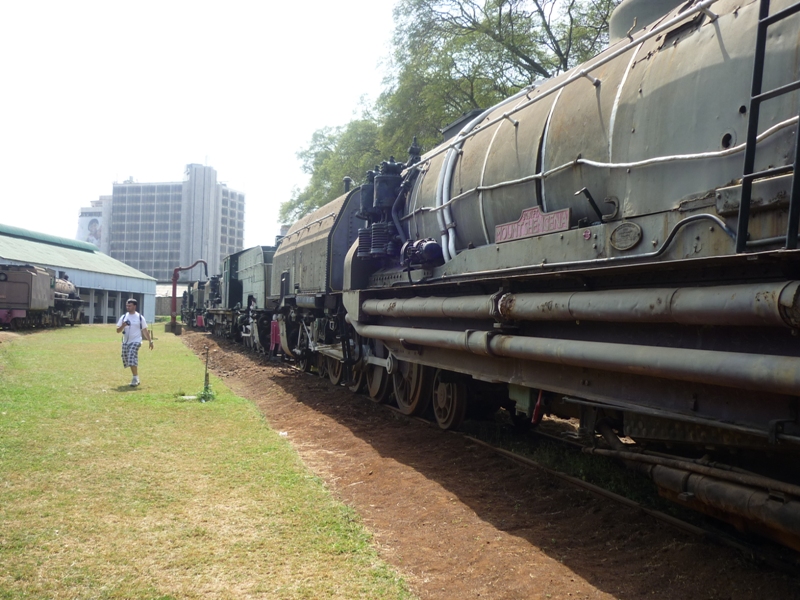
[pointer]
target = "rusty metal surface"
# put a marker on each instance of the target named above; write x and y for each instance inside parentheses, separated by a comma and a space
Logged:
(636, 14)
(761, 373)
(735, 305)
(749, 509)
(26, 287)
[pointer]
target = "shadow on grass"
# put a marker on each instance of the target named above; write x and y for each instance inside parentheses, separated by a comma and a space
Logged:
(126, 388)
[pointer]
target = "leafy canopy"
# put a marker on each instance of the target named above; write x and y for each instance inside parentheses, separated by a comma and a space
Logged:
(332, 155)
(450, 57)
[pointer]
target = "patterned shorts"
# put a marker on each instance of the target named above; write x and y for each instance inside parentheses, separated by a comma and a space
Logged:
(130, 354)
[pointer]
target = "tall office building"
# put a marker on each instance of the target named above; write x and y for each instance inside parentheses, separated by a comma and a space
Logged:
(155, 227)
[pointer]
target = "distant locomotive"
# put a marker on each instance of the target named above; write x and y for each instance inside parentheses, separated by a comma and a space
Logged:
(616, 245)
(32, 297)
(193, 304)
(239, 303)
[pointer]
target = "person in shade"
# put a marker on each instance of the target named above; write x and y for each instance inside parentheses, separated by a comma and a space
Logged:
(274, 338)
(133, 328)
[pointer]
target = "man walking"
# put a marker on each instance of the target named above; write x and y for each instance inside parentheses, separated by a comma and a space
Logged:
(134, 327)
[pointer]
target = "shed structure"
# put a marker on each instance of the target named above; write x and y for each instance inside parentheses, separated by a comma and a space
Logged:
(104, 283)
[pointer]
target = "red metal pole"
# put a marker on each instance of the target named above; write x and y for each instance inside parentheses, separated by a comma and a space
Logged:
(174, 307)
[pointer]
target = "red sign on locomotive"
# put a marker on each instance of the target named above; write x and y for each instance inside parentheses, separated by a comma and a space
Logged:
(531, 223)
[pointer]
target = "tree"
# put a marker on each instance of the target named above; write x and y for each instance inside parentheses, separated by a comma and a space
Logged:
(450, 57)
(332, 155)
(519, 40)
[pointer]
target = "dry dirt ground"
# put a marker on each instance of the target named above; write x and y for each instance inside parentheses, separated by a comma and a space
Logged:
(7, 335)
(458, 521)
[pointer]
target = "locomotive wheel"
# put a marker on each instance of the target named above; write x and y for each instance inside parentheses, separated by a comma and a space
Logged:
(378, 384)
(322, 365)
(357, 380)
(358, 372)
(304, 363)
(335, 371)
(449, 400)
(412, 387)
(306, 358)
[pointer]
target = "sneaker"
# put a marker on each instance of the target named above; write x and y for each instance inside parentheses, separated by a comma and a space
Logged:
(134, 382)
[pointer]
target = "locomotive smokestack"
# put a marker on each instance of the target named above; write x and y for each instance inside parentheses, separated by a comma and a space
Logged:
(347, 183)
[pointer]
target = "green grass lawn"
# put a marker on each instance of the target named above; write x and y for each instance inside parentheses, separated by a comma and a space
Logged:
(108, 491)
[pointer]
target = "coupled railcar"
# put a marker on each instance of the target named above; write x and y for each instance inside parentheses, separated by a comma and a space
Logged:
(617, 244)
(239, 303)
(193, 304)
(33, 297)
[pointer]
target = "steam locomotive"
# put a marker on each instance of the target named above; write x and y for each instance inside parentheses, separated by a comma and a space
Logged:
(32, 297)
(616, 245)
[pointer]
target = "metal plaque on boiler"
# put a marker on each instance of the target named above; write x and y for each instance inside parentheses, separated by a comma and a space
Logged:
(532, 222)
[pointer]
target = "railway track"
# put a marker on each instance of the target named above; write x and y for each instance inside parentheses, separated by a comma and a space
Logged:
(772, 556)
(757, 551)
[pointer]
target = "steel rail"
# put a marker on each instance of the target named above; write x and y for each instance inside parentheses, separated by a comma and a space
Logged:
(708, 533)
(753, 480)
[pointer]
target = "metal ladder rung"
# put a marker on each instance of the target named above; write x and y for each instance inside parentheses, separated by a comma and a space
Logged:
(784, 89)
(780, 15)
(768, 173)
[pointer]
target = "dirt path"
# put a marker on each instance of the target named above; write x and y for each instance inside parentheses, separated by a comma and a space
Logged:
(7, 336)
(460, 522)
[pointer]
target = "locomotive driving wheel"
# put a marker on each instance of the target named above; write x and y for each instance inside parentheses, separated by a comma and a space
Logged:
(378, 384)
(305, 358)
(412, 387)
(322, 365)
(358, 374)
(357, 379)
(449, 400)
(335, 370)
(304, 362)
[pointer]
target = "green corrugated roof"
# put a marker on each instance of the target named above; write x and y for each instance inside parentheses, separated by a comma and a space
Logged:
(24, 234)
(20, 245)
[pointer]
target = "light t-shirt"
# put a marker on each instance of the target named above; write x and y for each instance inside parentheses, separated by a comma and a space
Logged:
(133, 332)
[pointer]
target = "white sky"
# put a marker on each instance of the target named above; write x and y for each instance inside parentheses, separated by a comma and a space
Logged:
(96, 92)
